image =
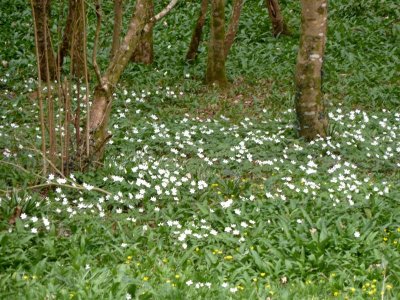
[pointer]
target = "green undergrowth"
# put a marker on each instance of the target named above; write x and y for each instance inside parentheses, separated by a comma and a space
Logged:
(204, 195)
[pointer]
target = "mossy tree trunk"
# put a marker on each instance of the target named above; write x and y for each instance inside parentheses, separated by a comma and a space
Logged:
(309, 101)
(197, 32)
(46, 55)
(73, 39)
(216, 48)
(278, 24)
(118, 8)
(144, 52)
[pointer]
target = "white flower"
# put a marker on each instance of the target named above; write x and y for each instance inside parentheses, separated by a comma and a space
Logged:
(34, 230)
(225, 285)
(227, 203)
(88, 186)
(233, 289)
(23, 216)
(357, 234)
(61, 180)
(124, 245)
(189, 282)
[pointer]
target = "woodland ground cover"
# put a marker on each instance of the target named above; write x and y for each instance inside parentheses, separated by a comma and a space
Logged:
(203, 195)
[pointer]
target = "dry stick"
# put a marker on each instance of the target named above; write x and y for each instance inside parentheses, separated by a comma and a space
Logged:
(233, 25)
(73, 185)
(86, 79)
(50, 103)
(117, 27)
(41, 112)
(96, 42)
(197, 32)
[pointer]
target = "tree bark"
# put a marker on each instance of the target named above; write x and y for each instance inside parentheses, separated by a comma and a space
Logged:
(278, 24)
(102, 100)
(41, 15)
(73, 39)
(144, 52)
(117, 27)
(309, 101)
(216, 49)
(233, 25)
(197, 32)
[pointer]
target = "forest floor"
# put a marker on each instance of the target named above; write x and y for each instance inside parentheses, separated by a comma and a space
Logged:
(209, 196)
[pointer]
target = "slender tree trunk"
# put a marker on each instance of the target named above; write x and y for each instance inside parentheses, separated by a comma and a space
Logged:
(233, 25)
(144, 52)
(309, 101)
(278, 24)
(197, 32)
(73, 38)
(216, 49)
(102, 100)
(101, 107)
(117, 26)
(41, 12)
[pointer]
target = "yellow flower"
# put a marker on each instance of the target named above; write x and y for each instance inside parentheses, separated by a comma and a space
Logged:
(228, 257)
(262, 274)
(177, 276)
(353, 290)
(165, 260)
(389, 286)
(336, 294)
(255, 279)
(197, 249)
(145, 278)
(129, 258)
(25, 277)
(240, 287)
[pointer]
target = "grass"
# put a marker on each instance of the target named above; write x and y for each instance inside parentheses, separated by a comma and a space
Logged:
(214, 196)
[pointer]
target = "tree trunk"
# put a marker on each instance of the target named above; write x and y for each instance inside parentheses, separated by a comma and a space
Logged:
(144, 52)
(278, 24)
(73, 39)
(197, 32)
(41, 15)
(309, 101)
(117, 27)
(216, 49)
(102, 100)
(233, 25)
